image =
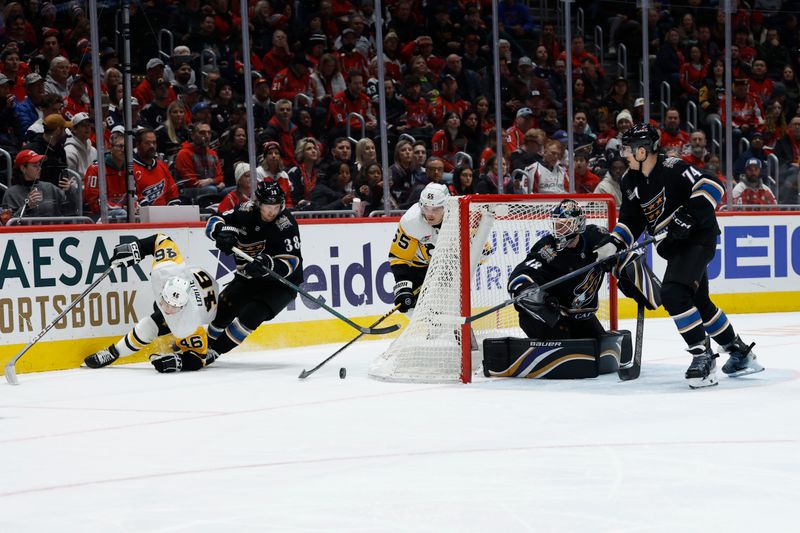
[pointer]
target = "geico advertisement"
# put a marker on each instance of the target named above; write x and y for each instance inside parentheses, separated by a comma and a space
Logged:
(42, 272)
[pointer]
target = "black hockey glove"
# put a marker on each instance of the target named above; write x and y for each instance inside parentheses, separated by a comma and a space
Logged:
(607, 248)
(539, 305)
(404, 297)
(167, 363)
(226, 238)
(126, 255)
(258, 267)
(681, 225)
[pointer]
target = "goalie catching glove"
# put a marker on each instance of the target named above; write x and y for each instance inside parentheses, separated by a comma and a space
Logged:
(126, 255)
(404, 297)
(226, 237)
(538, 304)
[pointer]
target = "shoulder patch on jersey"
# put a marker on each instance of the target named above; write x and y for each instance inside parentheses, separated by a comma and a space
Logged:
(547, 252)
(245, 206)
(632, 193)
(672, 161)
(283, 222)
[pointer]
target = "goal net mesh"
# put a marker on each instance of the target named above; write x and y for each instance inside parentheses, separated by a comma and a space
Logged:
(479, 244)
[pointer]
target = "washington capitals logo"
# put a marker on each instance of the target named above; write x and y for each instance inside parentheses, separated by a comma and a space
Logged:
(587, 288)
(654, 208)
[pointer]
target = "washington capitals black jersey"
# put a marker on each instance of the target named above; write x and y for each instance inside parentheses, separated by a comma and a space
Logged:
(577, 297)
(279, 238)
(648, 202)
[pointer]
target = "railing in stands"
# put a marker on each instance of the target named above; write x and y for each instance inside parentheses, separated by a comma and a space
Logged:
(44, 221)
(666, 98)
(391, 213)
(598, 43)
(166, 56)
(303, 96)
(9, 164)
(463, 156)
(691, 116)
(716, 136)
(407, 137)
(622, 60)
(203, 74)
(527, 176)
(363, 122)
(343, 213)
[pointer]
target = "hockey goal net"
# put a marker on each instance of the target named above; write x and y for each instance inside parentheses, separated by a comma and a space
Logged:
(482, 239)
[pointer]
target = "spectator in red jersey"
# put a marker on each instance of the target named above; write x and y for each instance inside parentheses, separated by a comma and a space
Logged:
(417, 122)
(751, 191)
(515, 135)
(293, 80)
(672, 136)
(696, 153)
(116, 180)
(747, 114)
(760, 85)
(692, 73)
(448, 101)
(350, 58)
(197, 166)
(742, 40)
(448, 141)
(243, 190)
(351, 100)
(282, 130)
(579, 53)
(145, 91)
(15, 70)
(391, 51)
(423, 46)
(271, 169)
(77, 101)
(586, 181)
(154, 183)
(279, 55)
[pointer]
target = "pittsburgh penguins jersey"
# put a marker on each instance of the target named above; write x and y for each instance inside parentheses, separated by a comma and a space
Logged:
(168, 262)
(279, 239)
(577, 297)
(648, 202)
(412, 245)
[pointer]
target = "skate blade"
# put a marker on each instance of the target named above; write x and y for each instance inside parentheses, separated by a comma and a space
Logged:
(701, 383)
(746, 371)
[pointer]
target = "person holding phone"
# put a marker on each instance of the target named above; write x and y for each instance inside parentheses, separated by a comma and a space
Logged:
(28, 196)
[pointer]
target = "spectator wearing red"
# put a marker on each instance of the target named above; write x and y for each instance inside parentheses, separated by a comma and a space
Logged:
(350, 58)
(579, 53)
(448, 141)
(243, 190)
(51, 46)
(271, 169)
(293, 80)
(14, 69)
(116, 179)
(197, 166)
(586, 181)
(742, 39)
(752, 191)
(549, 175)
(739, 67)
(747, 113)
(760, 85)
(351, 100)
(279, 55)
(391, 64)
(154, 183)
(77, 100)
(341, 8)
(303, 177)
(145, 91)
(672, 136)
(281, 130)
(423, 46)
(697, 149)
(418, 111)
(447, 102)
(515, 135)
(693, 71)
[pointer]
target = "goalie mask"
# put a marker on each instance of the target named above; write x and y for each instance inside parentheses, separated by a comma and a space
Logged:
(175, 295)
(568, 222)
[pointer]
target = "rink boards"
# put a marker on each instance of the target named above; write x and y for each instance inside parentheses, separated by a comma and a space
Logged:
(757, 269)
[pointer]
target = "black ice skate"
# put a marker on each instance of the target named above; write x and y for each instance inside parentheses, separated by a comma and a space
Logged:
(741, 359)
(104, 357)
(703, 370)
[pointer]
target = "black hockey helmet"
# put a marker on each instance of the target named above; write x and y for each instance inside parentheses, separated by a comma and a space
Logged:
(641, 134)
(568, 221)
(269, 192)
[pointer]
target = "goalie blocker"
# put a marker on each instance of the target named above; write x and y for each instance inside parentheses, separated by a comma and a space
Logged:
(556, 359)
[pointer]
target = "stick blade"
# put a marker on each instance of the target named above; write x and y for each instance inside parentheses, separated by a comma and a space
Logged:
(11, 374)
(380, 331)
(304, 374)
(631, 372)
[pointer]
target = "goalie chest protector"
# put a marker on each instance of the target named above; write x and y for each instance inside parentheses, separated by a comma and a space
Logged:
(555, 359)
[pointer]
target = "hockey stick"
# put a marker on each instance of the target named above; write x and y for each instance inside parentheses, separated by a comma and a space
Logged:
(11, 372)
(565, 277)
(632, 368)
(319, 301)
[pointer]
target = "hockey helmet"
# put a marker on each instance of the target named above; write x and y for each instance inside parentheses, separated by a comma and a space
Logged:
(175, 294)
(641, 134)
(434, 195)
(269, 192)
(568, 221)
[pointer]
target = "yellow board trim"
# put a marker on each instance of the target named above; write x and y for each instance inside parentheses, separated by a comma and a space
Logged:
(731, 304)
(65, 354)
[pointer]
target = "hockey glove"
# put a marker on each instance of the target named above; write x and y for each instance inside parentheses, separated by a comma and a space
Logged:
(167, 363)
(226, 238)
(126, 255)
(258, 268)
(532, 295)
(607, 248)
(404, 297)
(539, 305)
(681, 225)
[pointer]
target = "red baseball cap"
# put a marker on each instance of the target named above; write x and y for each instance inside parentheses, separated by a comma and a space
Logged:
(26, 157)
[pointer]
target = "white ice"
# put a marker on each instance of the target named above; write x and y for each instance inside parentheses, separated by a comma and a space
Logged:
(246, 446)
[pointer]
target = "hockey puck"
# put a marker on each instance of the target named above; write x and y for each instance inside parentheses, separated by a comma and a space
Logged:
(342, 373)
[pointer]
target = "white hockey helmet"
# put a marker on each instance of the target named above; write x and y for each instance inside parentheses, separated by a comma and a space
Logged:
(175, 294)
(434, 195)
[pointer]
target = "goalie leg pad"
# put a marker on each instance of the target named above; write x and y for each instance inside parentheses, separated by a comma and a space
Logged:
(616, 350)
(528, 358)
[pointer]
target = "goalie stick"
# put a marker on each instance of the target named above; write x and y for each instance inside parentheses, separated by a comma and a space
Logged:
(565, 277)
(632, 368)
(319, 301)
(11, 372)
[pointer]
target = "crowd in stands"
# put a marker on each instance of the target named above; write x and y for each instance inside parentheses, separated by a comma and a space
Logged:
(315, 101)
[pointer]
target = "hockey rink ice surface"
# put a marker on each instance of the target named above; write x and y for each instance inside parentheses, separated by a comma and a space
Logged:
(246, 446)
